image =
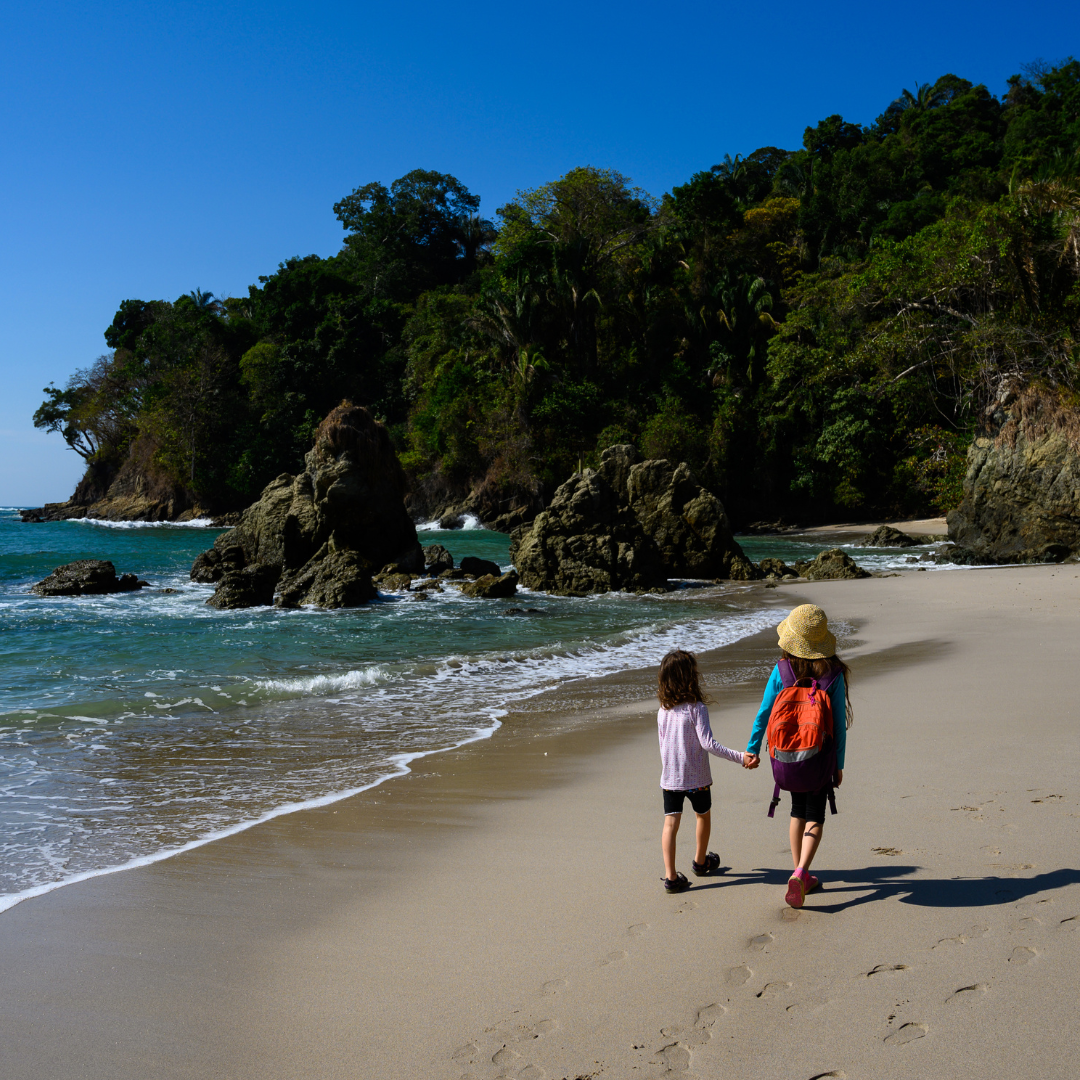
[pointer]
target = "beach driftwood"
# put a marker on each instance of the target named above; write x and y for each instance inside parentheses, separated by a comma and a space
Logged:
(87, 577)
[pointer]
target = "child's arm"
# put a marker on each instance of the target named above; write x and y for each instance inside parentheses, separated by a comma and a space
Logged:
(761, 721)
(705, 736)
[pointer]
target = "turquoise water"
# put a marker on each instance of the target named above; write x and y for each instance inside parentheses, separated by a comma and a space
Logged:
(134, 725)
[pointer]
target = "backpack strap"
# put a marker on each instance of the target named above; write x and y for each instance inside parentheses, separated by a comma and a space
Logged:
(776, 798)
(787, 676)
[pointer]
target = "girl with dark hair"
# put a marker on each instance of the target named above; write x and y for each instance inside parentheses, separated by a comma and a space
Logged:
(686, 740)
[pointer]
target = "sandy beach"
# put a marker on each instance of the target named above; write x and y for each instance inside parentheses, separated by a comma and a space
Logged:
(499, 912)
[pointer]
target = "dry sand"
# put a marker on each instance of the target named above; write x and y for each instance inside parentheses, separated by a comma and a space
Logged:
(499, 912)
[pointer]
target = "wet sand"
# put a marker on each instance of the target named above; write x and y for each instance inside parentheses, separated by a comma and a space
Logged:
(499, 911)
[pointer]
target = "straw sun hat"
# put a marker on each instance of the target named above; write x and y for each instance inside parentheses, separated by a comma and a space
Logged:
(805, 633)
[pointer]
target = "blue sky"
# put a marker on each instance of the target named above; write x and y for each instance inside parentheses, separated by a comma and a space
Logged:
(150, 149)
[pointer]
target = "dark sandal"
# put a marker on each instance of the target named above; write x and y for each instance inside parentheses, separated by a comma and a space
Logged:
(677, 884)
(711, 863)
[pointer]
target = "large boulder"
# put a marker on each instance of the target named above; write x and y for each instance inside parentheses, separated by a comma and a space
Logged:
(490, 587)
(629, 524)
(887, 537)
(86, 577)
(1022, 486)
(478, 568)
(832, 565)
(586, 541)
(321, 535)
(687, 523)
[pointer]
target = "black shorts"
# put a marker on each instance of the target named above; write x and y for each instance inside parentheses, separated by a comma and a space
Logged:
(809, 805)
(700, 799)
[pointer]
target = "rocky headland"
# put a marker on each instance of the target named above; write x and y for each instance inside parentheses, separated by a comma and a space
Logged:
(1021, 499)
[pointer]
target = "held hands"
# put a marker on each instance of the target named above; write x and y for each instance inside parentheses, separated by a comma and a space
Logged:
(750, 761)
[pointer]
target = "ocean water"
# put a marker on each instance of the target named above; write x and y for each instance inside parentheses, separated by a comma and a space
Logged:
(138, 725)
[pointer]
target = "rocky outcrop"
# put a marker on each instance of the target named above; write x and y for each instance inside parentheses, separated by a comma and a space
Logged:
(437, 559)
(776, 570)
(888, 537)
(87, 577)
(627, 525)
(1022, 486)
(833, 565)
(318, 537)
(502, 500)
(478, 568)
(490, 587)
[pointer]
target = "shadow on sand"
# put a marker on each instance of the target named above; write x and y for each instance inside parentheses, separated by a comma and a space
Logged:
(872, 883)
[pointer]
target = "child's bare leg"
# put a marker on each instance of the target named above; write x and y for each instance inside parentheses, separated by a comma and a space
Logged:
(704, 828)
(811, 837)
(795, 834)
(667, 843)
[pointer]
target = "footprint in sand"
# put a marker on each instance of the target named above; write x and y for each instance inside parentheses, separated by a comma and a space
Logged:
(1022, 955)
(638, 929)
(881, 969)
(907, 1033)
(1071, 923)
(966, 995)
(737, 976)
(707, 1015)
(759, 941)
(697, 1033)
(960, 939)
(463, 1053)
(532, 1072)
(823, 1076)
(553, 986)
(544, 1027)
(790, 914)
(686, 907)
(773, 989)
(675, 1057)
(614, 957)
(506, 1057)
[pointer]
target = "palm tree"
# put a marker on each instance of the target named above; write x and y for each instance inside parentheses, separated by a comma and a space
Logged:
(205, 301)
(925, 98)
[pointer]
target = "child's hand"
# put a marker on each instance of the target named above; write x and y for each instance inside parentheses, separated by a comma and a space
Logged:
(750, 761)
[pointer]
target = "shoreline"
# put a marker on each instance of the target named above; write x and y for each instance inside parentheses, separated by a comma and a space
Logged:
(505, 896)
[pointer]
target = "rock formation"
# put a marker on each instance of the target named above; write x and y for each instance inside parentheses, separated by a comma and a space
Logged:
(832, 565)
(87, 577)
(886, 536)
(490, 587)
(1022, 487)
(776, 570)
(318, 537)
(627, 525)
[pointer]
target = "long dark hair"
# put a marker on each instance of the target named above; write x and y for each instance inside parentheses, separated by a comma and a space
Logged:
(817, 669)
(679, 681)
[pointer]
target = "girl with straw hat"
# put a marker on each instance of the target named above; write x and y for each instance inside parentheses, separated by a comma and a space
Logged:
(809, 655)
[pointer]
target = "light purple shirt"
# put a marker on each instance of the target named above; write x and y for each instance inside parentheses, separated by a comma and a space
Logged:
(686, 740)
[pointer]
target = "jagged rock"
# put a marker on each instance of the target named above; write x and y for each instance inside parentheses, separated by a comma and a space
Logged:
(586, 541)
(1022, 486)
(629, 524)
(490, 587)
(958, 555)
(348, 500)
(437, 559)
(330, 579)
(453, 574)
(831, 565)
(478, 568)
(452, 521)
(775, 569)
(888, 537)
(211, 566)
(508, 522)
(86, 577)
(392, 582)
(251, 587)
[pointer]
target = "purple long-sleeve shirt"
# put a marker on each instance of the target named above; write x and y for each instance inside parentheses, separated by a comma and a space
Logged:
(686, 740)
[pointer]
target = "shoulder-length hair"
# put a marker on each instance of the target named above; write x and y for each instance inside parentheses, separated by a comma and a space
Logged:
(679, 681)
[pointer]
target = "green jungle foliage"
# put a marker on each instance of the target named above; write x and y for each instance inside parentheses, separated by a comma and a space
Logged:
(816, 331)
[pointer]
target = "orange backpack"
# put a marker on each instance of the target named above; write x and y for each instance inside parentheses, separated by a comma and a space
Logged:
(800, 736)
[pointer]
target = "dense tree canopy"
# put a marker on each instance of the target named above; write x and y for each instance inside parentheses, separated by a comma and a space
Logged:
(817, 331)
